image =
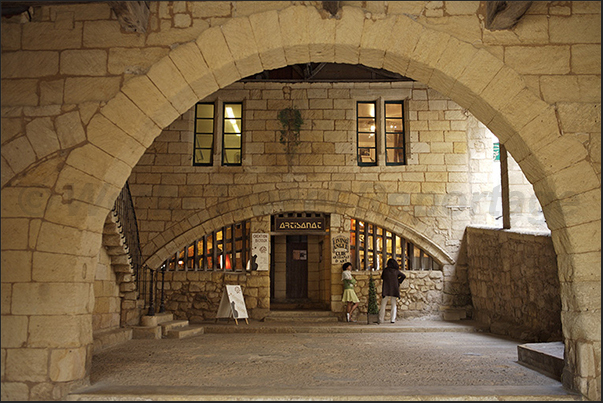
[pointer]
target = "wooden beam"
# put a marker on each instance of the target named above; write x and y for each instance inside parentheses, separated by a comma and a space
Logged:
(501, 15)
(133, 16)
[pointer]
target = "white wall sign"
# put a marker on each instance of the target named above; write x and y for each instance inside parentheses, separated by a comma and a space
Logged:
(260, 251)
(340, 248)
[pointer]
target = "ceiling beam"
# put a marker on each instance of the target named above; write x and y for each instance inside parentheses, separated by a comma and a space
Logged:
(501, 15)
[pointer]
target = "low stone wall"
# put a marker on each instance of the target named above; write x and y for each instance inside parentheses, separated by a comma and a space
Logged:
(514, 283)
(421, 293)
(195, 295)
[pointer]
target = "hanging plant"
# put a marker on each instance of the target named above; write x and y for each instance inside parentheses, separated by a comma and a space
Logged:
(291, 121)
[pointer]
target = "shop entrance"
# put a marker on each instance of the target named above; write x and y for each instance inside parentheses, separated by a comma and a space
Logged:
(297, 267)
(299, 278)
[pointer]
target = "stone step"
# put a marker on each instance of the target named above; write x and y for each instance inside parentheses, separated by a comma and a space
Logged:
(146, 332)
(168, 326)
(301, 313)
(301, 316)
(546, 358)
(186, 331)
(309, 319)
(156, 319)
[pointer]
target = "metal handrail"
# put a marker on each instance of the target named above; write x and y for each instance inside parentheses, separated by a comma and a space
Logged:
(124, 208)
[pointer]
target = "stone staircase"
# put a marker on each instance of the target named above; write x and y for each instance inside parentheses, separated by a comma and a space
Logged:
(302, 316)
(163, 326)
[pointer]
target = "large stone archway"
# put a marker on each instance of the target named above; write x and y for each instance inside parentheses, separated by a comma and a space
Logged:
(49, 246)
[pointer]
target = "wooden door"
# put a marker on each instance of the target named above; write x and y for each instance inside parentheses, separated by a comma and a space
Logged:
(297, 267)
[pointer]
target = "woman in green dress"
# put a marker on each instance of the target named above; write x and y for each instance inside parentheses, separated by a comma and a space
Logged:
(349, 295)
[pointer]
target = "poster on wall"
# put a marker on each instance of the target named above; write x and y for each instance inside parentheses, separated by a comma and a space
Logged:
(260, 256)
(341, 248)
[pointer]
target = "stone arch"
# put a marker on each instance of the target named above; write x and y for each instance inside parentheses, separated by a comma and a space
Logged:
(335, 202)
(118, 134)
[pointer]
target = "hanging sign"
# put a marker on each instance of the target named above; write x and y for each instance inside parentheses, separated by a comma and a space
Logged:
(232, 304)
(299, 223)
(340, 249)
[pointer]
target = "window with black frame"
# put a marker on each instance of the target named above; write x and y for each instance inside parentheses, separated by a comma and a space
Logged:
(225, 249)
(203, 145)
(394, 133)
(371, 246)
(366, 130)
(232, 134)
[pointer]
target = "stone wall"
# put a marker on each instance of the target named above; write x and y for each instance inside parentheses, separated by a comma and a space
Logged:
(421, 293)
(195, 295)
(168, 190)
(514, 283)
(107, 299)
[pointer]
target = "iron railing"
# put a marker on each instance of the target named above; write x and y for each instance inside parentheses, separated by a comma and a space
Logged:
(124, 208)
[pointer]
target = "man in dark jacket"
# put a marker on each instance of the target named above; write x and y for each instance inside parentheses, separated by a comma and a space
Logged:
(392, 278)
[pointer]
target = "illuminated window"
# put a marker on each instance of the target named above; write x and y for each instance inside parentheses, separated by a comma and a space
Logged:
(366, 133)
(394, 133)
(203, 148)
(371, 246)
(232, 134)
(386, 122)
(225, 249)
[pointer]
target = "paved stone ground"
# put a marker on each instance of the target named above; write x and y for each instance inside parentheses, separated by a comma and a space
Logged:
(403, 365)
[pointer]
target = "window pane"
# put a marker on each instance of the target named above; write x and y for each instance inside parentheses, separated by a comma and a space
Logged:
(366, 109)
(202, 157)
(204, 141)
(393, 125)
(233, 110)
(232, 126)
(366, 125)
(204, 126)
(205, 110)
(367, 155)
(366, 140)
(393, 110)
(232, 156)
(232, 141)
(395, 155)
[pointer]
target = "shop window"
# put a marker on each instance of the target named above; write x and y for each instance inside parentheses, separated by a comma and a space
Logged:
(225, 249)
(371, 246)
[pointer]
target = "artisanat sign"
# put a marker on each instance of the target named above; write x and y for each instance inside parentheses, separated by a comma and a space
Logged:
(299, 223)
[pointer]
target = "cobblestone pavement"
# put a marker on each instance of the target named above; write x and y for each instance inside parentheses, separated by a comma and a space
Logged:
(403, 365)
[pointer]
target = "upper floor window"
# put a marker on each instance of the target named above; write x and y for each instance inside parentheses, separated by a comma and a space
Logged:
(394, 133)
(203, 147)
(386, 122)
(366, 133)
(232, 134)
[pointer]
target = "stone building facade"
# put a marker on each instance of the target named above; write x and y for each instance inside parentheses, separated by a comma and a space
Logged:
(84, 101)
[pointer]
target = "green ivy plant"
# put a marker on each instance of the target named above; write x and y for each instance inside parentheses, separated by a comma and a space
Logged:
(291, 121)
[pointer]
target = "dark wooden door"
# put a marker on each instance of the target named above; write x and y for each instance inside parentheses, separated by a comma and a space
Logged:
(297, 267)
